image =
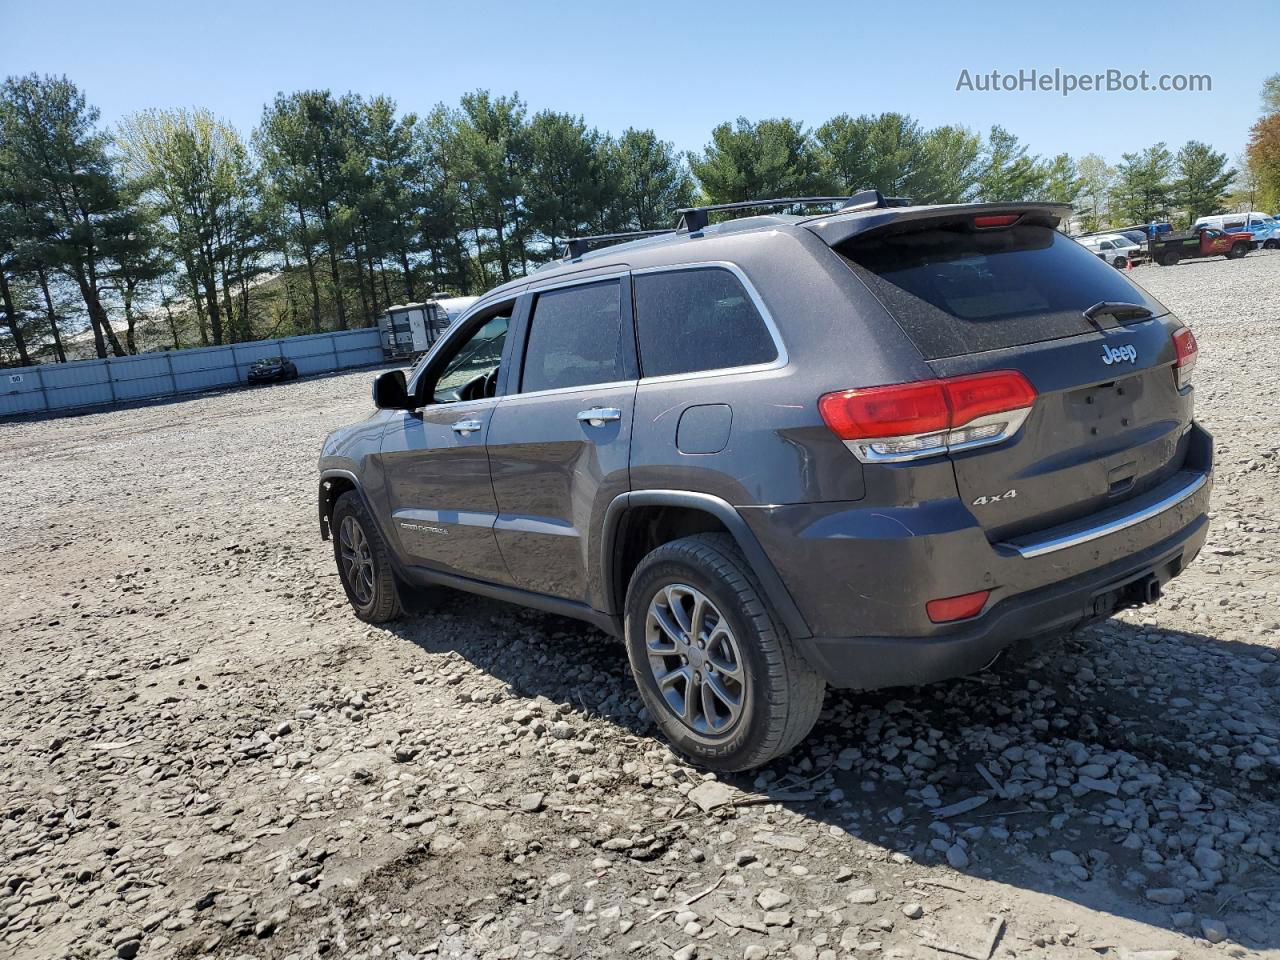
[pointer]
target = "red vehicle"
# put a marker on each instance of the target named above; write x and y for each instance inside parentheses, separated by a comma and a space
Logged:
(1168, 248)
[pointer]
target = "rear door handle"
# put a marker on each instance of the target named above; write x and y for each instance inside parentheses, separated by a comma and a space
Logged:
(467, 427)
(599, 416)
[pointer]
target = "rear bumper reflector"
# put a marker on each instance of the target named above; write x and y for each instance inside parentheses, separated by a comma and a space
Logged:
(1112, 524)
(950, 609)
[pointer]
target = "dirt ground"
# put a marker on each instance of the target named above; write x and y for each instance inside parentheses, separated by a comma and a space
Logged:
(202, 752)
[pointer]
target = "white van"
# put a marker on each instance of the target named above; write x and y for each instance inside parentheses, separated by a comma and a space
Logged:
(1234, 221)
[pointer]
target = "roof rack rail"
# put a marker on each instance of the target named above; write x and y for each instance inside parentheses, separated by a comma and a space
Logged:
(693, 219)
(871, 199)
(580, 245)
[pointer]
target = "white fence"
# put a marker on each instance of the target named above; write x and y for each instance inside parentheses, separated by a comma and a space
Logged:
(90, 383)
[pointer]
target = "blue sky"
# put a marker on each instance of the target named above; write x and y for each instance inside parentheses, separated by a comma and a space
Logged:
(678, 67)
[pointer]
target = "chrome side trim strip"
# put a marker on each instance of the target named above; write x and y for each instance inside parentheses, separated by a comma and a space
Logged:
(1111, 526)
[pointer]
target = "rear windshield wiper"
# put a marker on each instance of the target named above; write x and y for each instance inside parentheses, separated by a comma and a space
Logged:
(1118, 309)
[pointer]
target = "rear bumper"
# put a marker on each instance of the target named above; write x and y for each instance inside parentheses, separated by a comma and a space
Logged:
(861, 575)
(870, 662)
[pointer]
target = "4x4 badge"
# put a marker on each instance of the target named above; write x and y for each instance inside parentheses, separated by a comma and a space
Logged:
(995, 498)
(1112, 355)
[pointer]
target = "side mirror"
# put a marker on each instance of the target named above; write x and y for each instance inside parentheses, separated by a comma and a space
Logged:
(391, 391)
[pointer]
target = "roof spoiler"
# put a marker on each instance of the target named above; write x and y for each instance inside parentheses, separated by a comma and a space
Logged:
(845, 224)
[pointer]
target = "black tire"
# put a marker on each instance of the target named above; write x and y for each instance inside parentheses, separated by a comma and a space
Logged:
(781, 695)
(1120, 263)
(371, 590)
(1167, 259)
(1237, 251)
(1271, 244)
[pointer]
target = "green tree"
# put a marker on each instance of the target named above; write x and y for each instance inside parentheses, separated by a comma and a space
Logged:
(1202, 179)
(1271, 94)
(19, 337)
(890, 152)
(447, 210)
(1063, 182)
(280, 141)
(309, 142)
(1143, 191)
(1097, 178)
(1246, 186)
(491, 151)
(13, 231)
(758, 161)
(566, 185)
(51, 144)
(950, 166)
(1008, 171)
(196, 172)
(884, 152)
(650, 181)
(394, 179)
(139, 262)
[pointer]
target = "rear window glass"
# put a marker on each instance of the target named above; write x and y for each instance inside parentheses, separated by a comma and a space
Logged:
(702, 319)
(955, 291)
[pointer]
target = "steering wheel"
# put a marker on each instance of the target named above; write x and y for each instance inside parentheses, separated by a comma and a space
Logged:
(480, 387)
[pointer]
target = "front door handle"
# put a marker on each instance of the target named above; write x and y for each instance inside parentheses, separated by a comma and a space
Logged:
(467, 427)
(599, 416)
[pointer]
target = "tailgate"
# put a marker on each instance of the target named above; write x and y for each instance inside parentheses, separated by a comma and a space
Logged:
(1100, 433)
(979, 293)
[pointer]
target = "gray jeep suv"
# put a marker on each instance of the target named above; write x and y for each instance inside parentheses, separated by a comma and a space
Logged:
(864, 449)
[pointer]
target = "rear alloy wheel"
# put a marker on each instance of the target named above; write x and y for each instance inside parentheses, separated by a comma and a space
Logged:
(715, 668)
(694, 659)
(364, 565)
(1271, 244)
(1120, 263)
(1168, 259)
(1238, 250)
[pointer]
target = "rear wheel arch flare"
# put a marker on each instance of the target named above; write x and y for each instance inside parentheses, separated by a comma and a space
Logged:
(636, 523)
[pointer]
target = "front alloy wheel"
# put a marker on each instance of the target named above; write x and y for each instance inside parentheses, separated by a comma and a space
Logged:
(364, 565)
(357, 560)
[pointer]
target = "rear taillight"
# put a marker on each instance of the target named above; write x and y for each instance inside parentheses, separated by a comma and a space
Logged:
(1186, 348)
(907, 421)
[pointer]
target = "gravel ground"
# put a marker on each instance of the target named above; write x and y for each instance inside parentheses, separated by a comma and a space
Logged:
(204, 753)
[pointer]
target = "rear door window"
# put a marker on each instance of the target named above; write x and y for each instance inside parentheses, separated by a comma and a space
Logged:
(698, 319)
(957, 291)
(575, 338)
